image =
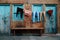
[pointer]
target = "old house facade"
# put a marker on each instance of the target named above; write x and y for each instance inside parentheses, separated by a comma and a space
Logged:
(30, 7)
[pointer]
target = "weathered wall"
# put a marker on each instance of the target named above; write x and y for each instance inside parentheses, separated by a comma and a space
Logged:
(39, 2)
(58, 17)
(31, 1)
(4, 19)
(44, 1)
(12, 1)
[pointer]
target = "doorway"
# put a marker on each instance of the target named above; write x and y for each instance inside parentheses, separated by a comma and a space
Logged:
(4, 19)
(51, 21)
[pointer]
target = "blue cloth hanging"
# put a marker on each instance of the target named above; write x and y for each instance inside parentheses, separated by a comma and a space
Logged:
(36, 17)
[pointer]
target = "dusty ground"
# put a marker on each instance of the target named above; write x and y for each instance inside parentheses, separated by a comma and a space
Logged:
(29, 37)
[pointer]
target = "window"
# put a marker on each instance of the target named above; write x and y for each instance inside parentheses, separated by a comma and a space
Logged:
(17, 14)
(36, 9)
(4, 18)
(51, 20)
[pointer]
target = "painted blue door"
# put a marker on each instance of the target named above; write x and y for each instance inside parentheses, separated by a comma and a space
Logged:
(51, 22)
(36, 9)
(4, 19)
(18, 18)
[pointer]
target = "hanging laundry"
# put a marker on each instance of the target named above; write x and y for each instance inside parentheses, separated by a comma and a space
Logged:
(39, 16)
(19, 11)
(43, 16)
(27, 12)
(36, 16)
(49, 12)
(33, 17)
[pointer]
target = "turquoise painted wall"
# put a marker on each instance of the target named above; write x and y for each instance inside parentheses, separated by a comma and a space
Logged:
(15, 10)
(51, 23)
(4, 18)
(50, 27)
(36, 8)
